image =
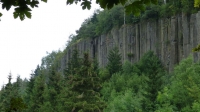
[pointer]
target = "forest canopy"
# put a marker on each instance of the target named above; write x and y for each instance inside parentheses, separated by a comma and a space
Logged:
(83, 86)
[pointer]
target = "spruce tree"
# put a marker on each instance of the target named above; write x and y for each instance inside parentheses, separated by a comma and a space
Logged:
(37, 97)
(55, 84)
(29, 88)
(74, 63)
(114, 61)
(17, 85)
(83, 89)
(6, 95)
(17, 102)
(150, 66)
(2, 97)
(11, 100)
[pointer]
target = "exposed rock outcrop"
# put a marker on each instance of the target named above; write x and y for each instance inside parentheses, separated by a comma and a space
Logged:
(172, 39)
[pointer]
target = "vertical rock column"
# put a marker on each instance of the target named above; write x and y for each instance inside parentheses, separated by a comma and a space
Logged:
(197, 36)
(193, 34)
(129, 38)
(137, 44)
(156, 40)
(124, 41)
(186, 35)
(143, 38)
(165, 42)
(173, 44)
(148, 37)
(180, 38)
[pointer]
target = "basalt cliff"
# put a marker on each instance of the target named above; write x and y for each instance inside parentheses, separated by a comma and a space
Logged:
(172, 39)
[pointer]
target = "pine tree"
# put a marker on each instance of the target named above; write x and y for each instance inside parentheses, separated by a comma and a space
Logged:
(114, 61)
(83, 89)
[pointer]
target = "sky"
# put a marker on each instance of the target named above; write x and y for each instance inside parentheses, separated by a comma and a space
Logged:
(24, 43)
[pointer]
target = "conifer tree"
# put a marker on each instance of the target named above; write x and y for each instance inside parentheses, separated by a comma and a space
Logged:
(6, 95)
(55, 85)
(17, 102)
(114, 61)
(29, 88)
(11, 100)
(2, 97)
(74, 63)
(37, 97)
(150, 66)
(83, 89)
(17, 85)
(29, 91)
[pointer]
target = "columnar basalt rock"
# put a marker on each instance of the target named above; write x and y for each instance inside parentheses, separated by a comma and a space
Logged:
(172, 39)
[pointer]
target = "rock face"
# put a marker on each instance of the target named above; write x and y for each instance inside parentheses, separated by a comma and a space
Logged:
(172, 39)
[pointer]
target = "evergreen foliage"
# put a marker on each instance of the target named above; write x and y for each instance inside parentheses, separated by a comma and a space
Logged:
(37, 98)
(138, 87)
(74, 63)
(138, 84)
(151, 66)
(102, 22)
(6, 95)
(10, 97)
(114, 64)
(83, 89)
(55, 84)
(104, 74)
(124, 92)
(29, 90)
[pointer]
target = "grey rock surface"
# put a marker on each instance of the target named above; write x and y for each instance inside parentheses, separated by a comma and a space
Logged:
(172, 40)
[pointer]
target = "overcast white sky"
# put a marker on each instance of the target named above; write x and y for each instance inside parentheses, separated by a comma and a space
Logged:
(24, 43)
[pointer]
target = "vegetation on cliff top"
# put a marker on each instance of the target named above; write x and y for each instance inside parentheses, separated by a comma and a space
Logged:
(101, 22)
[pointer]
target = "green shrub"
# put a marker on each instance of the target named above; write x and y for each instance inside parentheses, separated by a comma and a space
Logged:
(151, 12)
(183, 92)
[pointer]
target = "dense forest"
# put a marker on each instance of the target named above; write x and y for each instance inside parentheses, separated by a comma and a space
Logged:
(144, 86)
(83, 86)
